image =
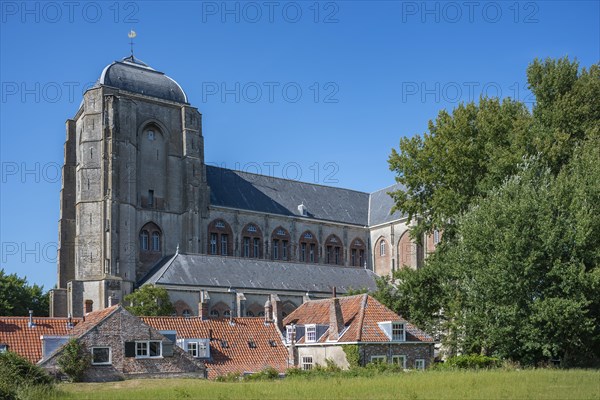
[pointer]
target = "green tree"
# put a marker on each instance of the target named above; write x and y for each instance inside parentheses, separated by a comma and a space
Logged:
(74, 360)
(465, 154)
(17, 297)
(150, 300)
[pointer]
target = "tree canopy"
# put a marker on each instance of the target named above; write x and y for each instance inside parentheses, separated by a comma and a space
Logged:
(149, 301)
(17, 297)
(518, 194)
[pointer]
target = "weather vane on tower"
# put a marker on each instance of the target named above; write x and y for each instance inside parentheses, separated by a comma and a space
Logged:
(131, 36)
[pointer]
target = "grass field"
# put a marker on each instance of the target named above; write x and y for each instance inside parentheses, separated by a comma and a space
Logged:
(526, 384)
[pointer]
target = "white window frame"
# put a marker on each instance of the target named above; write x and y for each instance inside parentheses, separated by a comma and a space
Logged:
(379, 359)
(202, 350)
(420, 363)
(289, 329)
(213, 243)
(109, 362)
(307, 363)
(311, 333)
(138, 345)
(397, 357)
(436, 236)
(382, 248)
(155, 241)
(399, 326)
(192, 349)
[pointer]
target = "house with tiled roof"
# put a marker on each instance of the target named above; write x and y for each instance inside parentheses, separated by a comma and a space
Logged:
(317, 330)
(121, 345)
(33, 337)
(228, 345)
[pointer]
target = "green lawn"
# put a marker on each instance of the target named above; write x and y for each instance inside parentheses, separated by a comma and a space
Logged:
(527, 384)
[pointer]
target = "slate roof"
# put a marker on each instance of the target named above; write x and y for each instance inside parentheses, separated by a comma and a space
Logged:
(380, 205)
(134, 76)
(246, 191)
(237, 356)
(92, 319)
(361, 314)
(26, 341)
(217, 271)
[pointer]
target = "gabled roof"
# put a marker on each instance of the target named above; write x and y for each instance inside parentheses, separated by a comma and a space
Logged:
(92, 319)
(237, 356)
(27, 342)
(380, 205)
(268, 194)
(361, 315)
(217, 271)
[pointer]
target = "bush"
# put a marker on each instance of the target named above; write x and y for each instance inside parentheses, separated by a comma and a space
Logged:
(472, 361)
(20, 379)
(268, 373)
(74, 360)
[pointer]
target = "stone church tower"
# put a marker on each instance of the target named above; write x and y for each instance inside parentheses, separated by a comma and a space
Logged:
(134, 186)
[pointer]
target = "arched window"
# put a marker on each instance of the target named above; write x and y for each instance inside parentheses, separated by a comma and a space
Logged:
(251, 241)
(186, 313)
(214, 313)
(382, 257)
(144, 241)
(308, 251)
(227, 313)
(357, 253)
(334, 250)
(382, 248)
(155, 241)
(280, 248)
(220, 238)
(249, 314)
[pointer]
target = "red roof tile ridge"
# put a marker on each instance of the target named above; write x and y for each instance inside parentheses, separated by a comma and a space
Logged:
(361, 318)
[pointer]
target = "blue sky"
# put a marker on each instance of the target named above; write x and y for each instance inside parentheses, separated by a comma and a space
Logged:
(317, 91)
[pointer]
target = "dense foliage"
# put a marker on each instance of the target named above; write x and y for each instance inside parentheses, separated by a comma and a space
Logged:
(17, 297)
(150, 300)
(518, 195)
(20, 379)
(74, 360)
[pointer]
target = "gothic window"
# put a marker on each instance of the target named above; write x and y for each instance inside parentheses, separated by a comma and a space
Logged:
(333, 246)
(382, 248)
(308, 248)
(281, 240)
(383, 263)
(219, 238)
(144, 241)
(214, 313)
(155, 241)
(357, 253)
(251, 241)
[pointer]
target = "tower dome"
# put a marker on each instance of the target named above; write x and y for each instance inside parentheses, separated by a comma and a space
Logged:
(134, 76)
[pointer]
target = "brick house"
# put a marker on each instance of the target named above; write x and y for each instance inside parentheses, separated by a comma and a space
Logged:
(228, 345)
(316, 331)
(123, 346)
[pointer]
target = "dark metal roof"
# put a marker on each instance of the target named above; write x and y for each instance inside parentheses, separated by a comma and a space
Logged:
(246, 191)
(243, 273)
(381, 204)
(134, 76)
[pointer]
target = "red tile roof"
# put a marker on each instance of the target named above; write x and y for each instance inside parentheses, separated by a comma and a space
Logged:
(237, 356)
(26, 341)
(361, 315)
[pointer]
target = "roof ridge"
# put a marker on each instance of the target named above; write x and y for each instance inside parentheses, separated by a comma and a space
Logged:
(288, 179)
(361, 317)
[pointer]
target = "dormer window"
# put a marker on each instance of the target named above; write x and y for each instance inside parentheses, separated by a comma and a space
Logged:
(311, 333)
(289, 333)
(3, 348)
(398, 332)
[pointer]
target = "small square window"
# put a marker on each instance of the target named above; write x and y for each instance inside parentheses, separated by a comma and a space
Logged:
(307, 363)
(399, 360)
(378, 359)
(252, 344)
(148, 349)
(192, 349)
(224, 344)
(101, 356)
(419, 363)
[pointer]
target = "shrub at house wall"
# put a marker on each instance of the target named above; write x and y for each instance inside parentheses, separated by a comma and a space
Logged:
(74, 360)
(352, 355)
(472, 361)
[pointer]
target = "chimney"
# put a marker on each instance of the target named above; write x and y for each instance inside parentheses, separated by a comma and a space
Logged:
(89, 306)
(336, 319)
(268, 312)
(334, 292)
(277, 311)
(113, 301)
(30, 324)
(203, 305)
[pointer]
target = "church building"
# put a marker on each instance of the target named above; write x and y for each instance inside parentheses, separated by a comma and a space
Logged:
(138, 205)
